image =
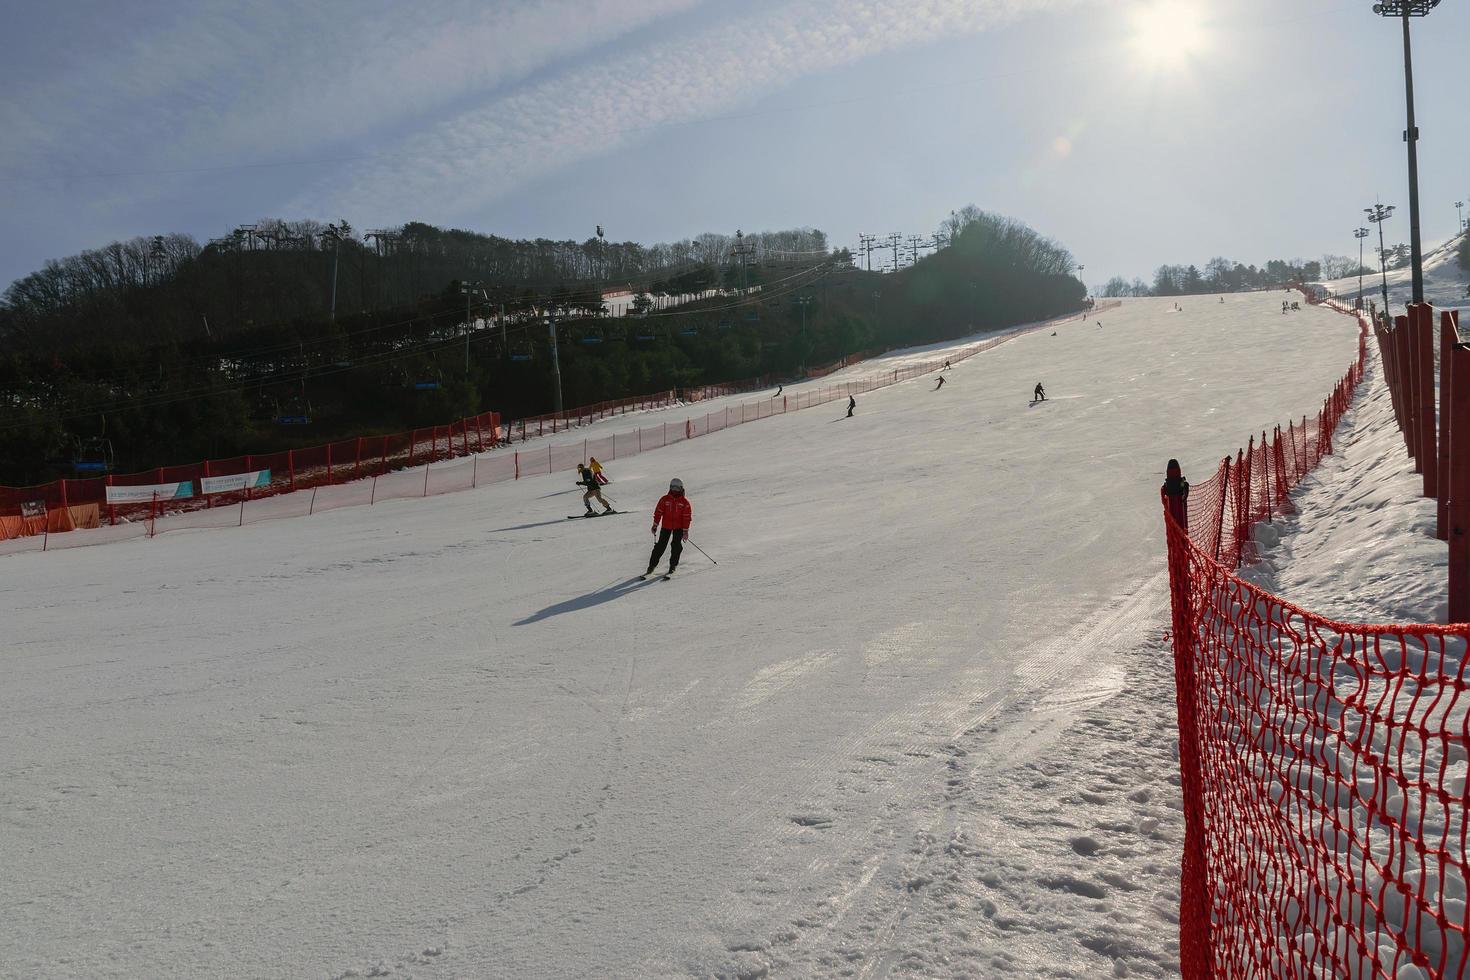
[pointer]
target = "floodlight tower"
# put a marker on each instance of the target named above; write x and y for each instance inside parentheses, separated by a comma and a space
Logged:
(1360, 234)
(1404, 9)
(1459, 220)
(1378, 214)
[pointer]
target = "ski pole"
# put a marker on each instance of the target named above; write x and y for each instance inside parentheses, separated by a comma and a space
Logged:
(700, 550)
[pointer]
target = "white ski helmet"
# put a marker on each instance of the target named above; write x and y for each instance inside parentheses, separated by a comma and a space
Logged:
(676, 484)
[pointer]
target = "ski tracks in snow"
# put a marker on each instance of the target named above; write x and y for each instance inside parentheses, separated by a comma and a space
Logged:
(938, 820)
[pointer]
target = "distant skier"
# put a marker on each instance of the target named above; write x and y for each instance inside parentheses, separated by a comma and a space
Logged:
(941, 383)
(593, 491)
(1053, 333)
(596, 468)
(778, 391)
(851, 405)
(675, 514)
(1038, 394)
(946, 365)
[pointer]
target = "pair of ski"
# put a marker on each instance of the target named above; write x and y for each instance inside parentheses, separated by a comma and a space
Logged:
(648, 575)
(593, 513)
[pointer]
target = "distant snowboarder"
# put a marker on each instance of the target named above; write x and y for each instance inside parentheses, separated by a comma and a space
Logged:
(941, 383)
(1038, 394)
(778, 391)
(675, 514)
(593, 491)
(851, 405)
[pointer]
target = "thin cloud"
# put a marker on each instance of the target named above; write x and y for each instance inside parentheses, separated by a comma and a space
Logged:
(276, 79)
(481, 154)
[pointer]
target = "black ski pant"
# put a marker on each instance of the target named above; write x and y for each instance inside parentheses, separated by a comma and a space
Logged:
(676, 535)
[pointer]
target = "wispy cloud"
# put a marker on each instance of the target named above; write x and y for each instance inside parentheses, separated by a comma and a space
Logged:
(482, 153)
(219, 82)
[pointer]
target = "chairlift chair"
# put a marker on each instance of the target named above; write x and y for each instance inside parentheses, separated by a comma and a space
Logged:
(93, 457)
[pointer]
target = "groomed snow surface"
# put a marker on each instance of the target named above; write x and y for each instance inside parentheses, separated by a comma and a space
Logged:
(917, 722)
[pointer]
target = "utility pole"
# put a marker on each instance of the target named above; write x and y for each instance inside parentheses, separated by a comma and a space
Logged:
(1459, 220)
(1404, 9)
(1378, 214)
(555, 365)
(1360, 234)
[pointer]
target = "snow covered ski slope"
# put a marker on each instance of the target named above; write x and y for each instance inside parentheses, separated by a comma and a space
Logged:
(456, 737)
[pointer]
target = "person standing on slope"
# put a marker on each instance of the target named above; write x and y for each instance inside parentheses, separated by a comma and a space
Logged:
(593, 491)
(1038, 394)
(851, 405)
(675, 514)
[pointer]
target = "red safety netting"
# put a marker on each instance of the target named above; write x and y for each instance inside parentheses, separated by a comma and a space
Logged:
(329, 464)
(426, 462)
(1323, 765)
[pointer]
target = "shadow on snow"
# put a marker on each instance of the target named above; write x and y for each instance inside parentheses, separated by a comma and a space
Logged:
(605, 594)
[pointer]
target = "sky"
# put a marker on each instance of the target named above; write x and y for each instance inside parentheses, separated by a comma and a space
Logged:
(1135, 132)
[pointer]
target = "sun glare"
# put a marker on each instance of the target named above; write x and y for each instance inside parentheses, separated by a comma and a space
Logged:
(1168, 34)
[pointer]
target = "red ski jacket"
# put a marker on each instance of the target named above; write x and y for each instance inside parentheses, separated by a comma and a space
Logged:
(674, 512)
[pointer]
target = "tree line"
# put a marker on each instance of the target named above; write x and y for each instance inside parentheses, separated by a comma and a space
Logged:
(1222, 275)
(108, 346)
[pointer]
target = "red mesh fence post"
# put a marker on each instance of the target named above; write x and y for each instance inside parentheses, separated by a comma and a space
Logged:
(1448, 335)
(291, 467)
(1428, 451)
(1195, 941)
(1266, 473)
(1405, 354)
(1224, 494)
(357, 461)
(329, 462)
(1459, 568)
(413, 441)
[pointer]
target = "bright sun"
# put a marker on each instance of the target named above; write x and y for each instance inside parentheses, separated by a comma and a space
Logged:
(1168, 34)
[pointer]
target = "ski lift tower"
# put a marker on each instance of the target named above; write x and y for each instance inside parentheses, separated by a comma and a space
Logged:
(1404, 9)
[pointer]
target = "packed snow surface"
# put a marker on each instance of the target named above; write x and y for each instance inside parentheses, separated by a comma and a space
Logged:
(916, 722)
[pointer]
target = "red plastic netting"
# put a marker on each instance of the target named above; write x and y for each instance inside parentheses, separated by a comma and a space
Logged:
(1323, 765)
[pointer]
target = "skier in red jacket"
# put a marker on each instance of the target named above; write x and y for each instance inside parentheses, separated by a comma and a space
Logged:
(674, 512)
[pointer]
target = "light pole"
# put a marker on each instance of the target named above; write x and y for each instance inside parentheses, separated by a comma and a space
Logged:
(1404, 9)
(555, 364)
(1360, 234)
(1459, 220)
(334, 234)
(803, 302)
(469, 289)
(1378, 214)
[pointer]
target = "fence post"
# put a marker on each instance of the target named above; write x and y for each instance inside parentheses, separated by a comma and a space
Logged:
(518, 464)
(1448, 335)
(1194, 910)
(426, 479)
(1428, 451)
(357, 464)
(1266, 472)
(208, 501)
(1410, 401)
(474, 472)
(1224, 495)
(1459, 567)
(111, 507)
(329, 462)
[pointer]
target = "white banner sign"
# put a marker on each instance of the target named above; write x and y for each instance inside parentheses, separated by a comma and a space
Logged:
(145, 494)
(255, 480)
